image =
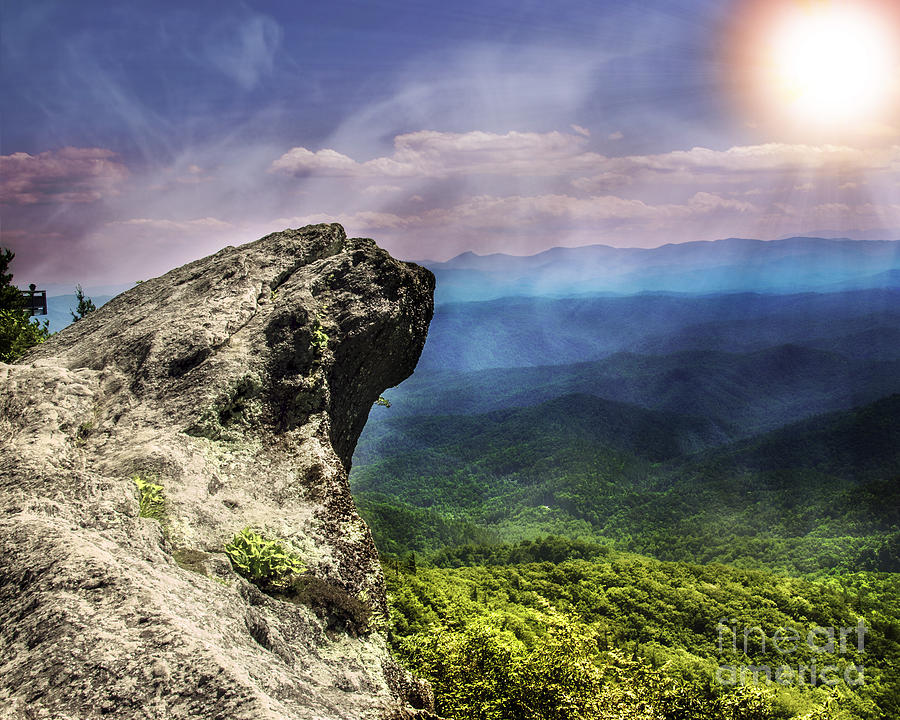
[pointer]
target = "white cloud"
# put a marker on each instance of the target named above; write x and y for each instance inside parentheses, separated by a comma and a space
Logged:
(69, 175)
(300, 161)
(437, 193)
(431, 154)
(478, 188)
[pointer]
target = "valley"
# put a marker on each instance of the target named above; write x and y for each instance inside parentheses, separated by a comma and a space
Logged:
(554, 456)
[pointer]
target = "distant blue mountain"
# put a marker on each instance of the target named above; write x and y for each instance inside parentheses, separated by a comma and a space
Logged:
(532, 331)
(740, 393)
(60, 307)
(793, 265)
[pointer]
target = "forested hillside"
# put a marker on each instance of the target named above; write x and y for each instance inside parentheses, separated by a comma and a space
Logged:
(816, 496)
(571, 495)
(620, 636)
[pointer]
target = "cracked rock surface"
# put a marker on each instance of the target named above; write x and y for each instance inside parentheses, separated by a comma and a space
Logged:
(239, 383)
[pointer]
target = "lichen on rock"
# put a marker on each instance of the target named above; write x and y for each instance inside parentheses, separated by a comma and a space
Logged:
(240, 384)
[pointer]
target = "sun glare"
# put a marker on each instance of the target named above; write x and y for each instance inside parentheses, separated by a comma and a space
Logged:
(832, 64)
(823, 63)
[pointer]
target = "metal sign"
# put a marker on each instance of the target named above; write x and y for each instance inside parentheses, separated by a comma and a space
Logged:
(35, 301)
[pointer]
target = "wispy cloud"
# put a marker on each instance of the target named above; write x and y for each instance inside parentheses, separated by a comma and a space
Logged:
(243, 48)
(581, 130)
(155, 225)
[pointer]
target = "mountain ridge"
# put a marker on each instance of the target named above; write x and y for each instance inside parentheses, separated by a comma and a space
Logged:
(727, 265)
(765, 388)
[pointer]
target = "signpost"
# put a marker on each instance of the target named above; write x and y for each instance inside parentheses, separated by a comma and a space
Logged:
(35, 300)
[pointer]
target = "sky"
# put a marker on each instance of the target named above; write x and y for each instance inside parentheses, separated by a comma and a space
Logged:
(139, 135)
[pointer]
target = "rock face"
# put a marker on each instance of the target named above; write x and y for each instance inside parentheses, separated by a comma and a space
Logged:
(239, 384)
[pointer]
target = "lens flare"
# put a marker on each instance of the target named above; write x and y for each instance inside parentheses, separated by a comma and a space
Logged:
(832, 64)
(820, 64)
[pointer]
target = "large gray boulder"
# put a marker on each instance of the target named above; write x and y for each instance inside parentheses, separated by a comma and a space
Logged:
(239, 384)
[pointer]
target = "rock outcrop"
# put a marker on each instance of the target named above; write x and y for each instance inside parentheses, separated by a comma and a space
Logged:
(239, 384)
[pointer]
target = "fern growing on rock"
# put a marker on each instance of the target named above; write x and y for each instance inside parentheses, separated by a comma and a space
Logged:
(152, 501)
(267, 563)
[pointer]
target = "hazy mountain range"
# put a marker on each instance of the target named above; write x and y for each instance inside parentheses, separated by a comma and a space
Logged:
(732, 401)
(731, 265)
(532, 331)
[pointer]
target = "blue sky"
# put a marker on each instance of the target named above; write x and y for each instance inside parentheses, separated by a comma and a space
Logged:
(139, 135)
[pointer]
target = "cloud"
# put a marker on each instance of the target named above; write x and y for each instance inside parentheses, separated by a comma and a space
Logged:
(363, 222)
(157, 225)
(767, 157)
(301, 161)
(244, 49)
(69, 175)
(492, 212)
(141, 247)
(532, 190)
(431, 154)
(523, 223)
(434, 194)
(603, 182)
(580, 130)
(381, 189)
(617, 135)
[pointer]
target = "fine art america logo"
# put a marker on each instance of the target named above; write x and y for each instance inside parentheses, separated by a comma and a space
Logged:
(817, 658)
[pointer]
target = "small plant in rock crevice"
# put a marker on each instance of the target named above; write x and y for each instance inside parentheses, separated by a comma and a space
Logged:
(152, 499)
(82, 432)
(319, 337)
(267, 563)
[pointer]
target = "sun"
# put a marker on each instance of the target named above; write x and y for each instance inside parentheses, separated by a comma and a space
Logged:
(820, 64)
(831, 63)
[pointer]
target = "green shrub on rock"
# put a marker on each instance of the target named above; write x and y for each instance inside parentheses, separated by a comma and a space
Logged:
(269, 564)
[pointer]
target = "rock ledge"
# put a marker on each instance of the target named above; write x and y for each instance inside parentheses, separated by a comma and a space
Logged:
(239, 383)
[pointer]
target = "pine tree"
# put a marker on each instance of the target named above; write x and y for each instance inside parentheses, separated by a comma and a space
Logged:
(10, 297)
(85, 305)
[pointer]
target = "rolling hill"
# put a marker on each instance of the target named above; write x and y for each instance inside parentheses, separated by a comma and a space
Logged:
(742, 393)
(815, 495)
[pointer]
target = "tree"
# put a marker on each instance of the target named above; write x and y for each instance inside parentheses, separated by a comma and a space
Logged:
(85, 305)
(17, 331)
(10, 297)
